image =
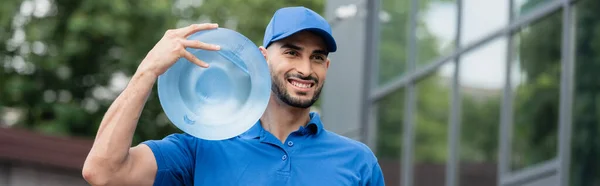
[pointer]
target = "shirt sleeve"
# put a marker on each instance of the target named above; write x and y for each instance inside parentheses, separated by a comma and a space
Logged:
(175, 158)
(375, 178)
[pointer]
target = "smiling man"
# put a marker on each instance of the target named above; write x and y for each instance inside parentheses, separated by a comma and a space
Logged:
(303, 78)
(287, 146)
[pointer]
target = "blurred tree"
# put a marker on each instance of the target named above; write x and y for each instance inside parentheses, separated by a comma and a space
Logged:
(585, 166)
(433, 97)
(64, 62)
(536, 128)
(536, 105)
(537, 96)
(432, 110)
(392, 57)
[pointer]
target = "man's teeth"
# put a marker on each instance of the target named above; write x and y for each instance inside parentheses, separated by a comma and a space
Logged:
(301, 85)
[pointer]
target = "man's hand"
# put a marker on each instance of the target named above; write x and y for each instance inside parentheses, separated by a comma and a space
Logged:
(173, 46)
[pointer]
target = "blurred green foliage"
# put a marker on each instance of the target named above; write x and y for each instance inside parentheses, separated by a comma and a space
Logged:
(536, 105)
(535, 108)
(480, 118)
(585, 166)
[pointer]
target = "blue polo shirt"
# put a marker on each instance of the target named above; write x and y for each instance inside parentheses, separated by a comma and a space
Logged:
(310, 156)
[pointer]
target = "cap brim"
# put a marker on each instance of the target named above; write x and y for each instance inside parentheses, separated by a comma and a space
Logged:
(328, 38)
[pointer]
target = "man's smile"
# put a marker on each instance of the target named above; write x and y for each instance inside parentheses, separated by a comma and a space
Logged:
(302, 85)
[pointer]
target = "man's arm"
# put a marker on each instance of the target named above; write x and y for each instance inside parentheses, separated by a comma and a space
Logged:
(111, 160)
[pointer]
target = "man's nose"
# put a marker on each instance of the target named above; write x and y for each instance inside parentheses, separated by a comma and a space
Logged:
(304, 67)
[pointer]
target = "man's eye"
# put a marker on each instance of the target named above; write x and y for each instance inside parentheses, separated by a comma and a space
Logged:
(318, 57)
(291, 52)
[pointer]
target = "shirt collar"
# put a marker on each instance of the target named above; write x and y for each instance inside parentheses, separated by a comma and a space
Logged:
(253, 132)
(314, 126)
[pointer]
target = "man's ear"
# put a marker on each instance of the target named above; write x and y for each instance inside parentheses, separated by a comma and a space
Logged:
(263, 50)
(327, 63)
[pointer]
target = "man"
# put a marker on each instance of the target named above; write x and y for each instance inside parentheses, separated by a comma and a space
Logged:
(287, 146)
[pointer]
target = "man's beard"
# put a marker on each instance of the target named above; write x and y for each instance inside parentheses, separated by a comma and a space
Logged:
(278, 87)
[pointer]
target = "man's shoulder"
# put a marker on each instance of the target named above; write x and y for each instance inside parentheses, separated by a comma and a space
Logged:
(182, 137)
(349, 144)
(175, 140)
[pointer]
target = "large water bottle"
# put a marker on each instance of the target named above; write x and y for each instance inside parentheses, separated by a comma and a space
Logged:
(221, 101)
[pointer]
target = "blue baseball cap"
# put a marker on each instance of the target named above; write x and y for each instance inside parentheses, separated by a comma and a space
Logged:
(290, 20)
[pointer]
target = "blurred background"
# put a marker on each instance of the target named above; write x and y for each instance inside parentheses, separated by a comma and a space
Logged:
(445, 92)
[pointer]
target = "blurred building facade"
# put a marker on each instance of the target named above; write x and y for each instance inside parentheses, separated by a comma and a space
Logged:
(28, 158)
(469, 92)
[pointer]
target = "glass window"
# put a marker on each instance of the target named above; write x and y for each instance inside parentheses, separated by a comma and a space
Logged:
(431, 118)
(390, 117)
(480, 18)
(536, 93)
(436, 36)
(585, 162)
(390, 114)
(483, 76)
(525, 7)
(394, 18)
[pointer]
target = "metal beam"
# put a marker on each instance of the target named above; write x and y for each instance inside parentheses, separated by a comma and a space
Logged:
(413, 76)
(566, 92)
(452, 165)
(531, 173)
(410, 100)
(368, 124)
(506, 112)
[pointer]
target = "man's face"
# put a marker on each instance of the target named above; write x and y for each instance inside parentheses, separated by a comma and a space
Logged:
(298, 67)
